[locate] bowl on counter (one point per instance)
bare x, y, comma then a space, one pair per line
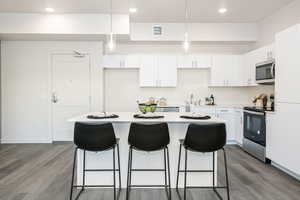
147, 108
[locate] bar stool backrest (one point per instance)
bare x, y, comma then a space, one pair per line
205, 137
149, 137
92, 137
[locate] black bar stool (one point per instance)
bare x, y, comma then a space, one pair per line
149, 137
205, 138
95, 138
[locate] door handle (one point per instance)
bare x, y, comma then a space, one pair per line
54, 97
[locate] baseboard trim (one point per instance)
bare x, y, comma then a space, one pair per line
4, 141
285, 170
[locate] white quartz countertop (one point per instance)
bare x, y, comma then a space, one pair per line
128, 117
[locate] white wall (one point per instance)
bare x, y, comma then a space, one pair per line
26, 86
280, 20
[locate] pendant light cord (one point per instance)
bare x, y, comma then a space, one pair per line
111, 27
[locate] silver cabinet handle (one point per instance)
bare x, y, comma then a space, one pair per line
54, 97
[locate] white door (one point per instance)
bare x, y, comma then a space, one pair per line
167, 71
227, 115
133, 61
203, 61
71, 93
239, 126
148, 71
185, 61
220, 70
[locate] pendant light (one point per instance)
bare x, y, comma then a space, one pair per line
186, 43
111, 42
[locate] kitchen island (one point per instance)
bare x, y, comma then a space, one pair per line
177, 129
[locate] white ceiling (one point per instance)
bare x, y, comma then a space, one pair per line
157, 10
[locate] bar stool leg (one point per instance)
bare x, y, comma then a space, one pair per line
165, 170
129, 173
118, 149
185, 174
178, 169
114, 172
83, 170
73, 173
226, 173
169, 173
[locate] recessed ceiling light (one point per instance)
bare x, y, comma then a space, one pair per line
50, 10
222, 10
132, 10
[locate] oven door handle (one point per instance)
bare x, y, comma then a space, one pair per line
254, 113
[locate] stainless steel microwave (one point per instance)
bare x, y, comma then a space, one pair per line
265, 72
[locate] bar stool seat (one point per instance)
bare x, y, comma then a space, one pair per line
149, 137
95, 138
204, 138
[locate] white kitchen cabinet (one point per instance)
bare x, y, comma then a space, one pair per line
158, 71
166, 71
248, 67
121, 61
270, 137
148, 71
194, 61
227, 71
239, 125
283, 137
228, 115
288, 65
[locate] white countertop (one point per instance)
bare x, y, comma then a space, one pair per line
128, 117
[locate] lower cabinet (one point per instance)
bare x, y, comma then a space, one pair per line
228, 116
233, 118
239, 125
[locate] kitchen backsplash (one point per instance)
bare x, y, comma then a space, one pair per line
122, 89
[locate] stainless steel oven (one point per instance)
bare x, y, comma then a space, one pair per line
265, 72
254, 141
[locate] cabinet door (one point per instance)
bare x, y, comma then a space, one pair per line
228, 116
185, 61
203, 61
288, 65
235, 72
148, 71
283, 141
132, 61
114, 61
248, 65
167, 71
270, 137
219, 70
239, 126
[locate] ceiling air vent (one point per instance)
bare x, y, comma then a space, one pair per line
157, 30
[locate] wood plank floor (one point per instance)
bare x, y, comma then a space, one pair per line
43, 172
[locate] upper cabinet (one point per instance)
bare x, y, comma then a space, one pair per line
158, 71
288, 65
227, 71
121, 61
194, 61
